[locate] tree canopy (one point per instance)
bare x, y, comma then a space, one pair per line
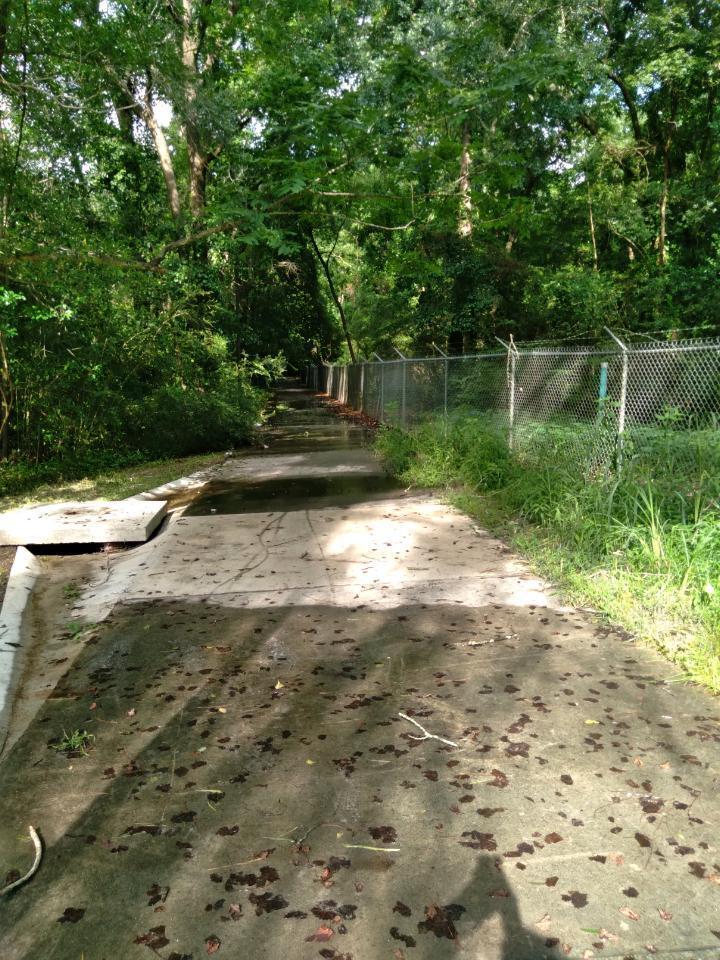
190, 187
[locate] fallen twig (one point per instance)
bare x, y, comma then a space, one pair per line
36, 863
365, 846
427, 736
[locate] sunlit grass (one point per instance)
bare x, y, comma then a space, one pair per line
641, 549
113, 484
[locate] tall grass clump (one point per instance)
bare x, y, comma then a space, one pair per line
640, 545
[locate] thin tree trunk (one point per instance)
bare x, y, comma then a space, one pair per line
6, 400
592, 229
333, 293
144, 110
4, 24
465, 219
662, 229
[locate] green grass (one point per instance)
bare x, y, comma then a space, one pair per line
642, 549
76, 742
112, 484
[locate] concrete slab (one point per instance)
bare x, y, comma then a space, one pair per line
382, 554
94, 521
314, 463
24, 572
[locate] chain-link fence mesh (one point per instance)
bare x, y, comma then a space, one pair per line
652, 404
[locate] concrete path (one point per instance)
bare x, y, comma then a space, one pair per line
252, 790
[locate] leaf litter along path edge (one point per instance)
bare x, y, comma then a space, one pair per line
252, 791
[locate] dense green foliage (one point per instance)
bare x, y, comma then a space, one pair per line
641, 547
188, 185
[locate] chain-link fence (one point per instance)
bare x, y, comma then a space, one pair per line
654, 404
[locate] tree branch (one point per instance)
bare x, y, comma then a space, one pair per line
629, 103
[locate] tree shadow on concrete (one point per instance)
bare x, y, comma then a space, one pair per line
251, 781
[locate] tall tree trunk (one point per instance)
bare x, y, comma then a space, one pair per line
465, 218
163, 151
333, 293
197, 160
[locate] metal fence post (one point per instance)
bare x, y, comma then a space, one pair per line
623, 398
512, 352
381, 411
403, 361
446, 364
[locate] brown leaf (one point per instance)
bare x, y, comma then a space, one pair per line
72, 915
500, 779
212, 945
321, 935
553, 838
155, 938
630, 914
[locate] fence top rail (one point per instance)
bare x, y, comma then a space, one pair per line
706, 344
680, 346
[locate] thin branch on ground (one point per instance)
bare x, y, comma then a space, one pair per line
366, 846
36, 863
427, 735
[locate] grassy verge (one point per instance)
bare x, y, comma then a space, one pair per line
112, 484
643, 549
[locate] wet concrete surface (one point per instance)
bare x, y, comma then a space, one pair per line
289, 494
252, 791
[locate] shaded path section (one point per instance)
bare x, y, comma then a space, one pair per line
252, 792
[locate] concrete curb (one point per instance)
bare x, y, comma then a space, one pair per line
24, 572
191, 482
